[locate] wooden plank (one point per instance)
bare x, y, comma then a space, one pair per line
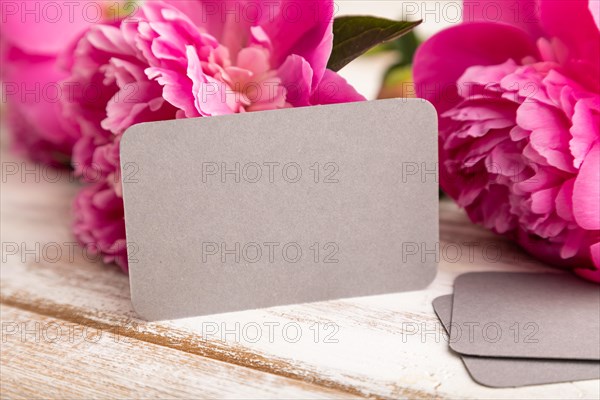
383, 346
44, 357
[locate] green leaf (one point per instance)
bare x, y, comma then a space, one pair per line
355, 35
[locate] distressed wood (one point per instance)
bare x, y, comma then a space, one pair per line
45, 357
387, 346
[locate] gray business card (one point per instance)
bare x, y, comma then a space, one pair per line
516, 372
526, 315
278, 207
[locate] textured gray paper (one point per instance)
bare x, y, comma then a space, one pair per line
279, 207
515, 372
526, 316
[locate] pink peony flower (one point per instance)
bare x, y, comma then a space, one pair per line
31, 95
182, 59
31, 44
99, 226
519, 106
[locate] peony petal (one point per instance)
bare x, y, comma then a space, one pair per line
334, 89
525, 84
586, 192
564, 200
488, 109
592, 275
585, 128
124, 72
255, 59
177, 89
572, 243
595, 250
42, 27
542, 201
594, 7
228, 21
469, 193
505, 160
517, 133
572, 22
523, 14
137, 102
484, 76
442, 59
99, 222
549, 133
37, 127
108, 39
296, 76
213, 97
544, 178
495, 211
303, 28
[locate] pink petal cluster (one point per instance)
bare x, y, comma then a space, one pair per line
519, 106
30, 60
183, 59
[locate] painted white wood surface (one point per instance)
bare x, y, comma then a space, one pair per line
51, 358
389, 346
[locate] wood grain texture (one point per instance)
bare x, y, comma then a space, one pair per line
45, 357
389, 346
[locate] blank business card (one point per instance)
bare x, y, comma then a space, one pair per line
516, 372
526, 315
255, 210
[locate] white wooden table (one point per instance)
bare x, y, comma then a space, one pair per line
69, 331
